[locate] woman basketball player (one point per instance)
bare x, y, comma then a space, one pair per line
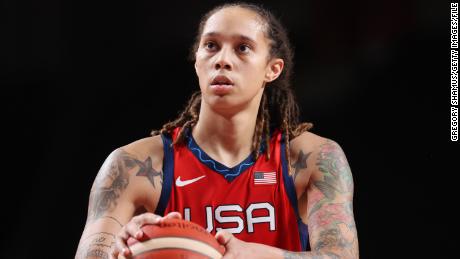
236, 161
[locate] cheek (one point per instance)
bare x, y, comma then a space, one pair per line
201, 62
200, 72
200, 57
255, 71
198, 66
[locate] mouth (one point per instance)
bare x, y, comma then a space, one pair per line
221, 80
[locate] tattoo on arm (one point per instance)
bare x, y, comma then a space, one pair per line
337, 178
291, 255
113, 179
146, 169
330, 208
114, 219
97, 253
98, 245
309, 255
300, 163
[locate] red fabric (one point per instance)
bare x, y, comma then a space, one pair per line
213, 193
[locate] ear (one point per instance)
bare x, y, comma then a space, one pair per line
274, 69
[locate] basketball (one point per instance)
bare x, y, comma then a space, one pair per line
175, 238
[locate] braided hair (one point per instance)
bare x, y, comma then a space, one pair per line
278, 108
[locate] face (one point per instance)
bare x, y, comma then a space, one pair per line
232, 61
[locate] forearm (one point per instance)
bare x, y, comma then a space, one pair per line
96, 246
314, 255
270, 252
264, 251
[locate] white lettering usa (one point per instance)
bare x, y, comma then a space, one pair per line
221, 215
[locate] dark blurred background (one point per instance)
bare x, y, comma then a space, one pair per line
81, 78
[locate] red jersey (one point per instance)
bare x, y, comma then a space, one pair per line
254, 200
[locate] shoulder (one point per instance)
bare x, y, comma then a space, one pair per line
308, 152
310, 142
307, 142
134, 171
128, 180
146, 148
123, 160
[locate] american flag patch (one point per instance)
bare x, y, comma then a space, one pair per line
265, 178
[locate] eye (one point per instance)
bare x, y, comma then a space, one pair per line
210, 45
244, 48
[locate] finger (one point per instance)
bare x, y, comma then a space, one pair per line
146, 218
120, 245
223, 237
173, 215
120, 256
114, 254
135, 230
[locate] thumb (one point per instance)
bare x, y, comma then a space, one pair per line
224, 237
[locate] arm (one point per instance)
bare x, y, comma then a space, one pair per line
325, 175
119, 190
330, 206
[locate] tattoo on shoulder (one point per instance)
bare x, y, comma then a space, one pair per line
112, 180
146, 169
300, 163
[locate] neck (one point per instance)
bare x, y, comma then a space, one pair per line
227, 138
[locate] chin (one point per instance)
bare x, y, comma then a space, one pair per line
227, 105
222, 103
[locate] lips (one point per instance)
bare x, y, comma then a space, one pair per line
221, 80
221, 85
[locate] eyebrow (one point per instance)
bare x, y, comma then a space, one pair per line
239, 36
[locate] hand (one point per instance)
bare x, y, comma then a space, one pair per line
235, 248
133, 229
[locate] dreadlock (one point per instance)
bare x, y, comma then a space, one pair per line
278, 108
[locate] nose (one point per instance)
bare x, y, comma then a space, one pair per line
223, 59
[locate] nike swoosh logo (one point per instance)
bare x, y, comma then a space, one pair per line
181, 183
